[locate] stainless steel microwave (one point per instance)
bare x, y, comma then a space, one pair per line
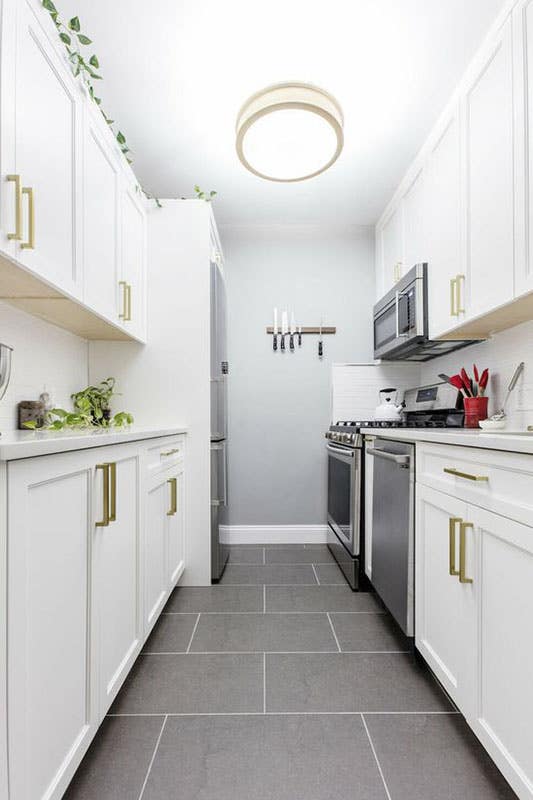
401, 327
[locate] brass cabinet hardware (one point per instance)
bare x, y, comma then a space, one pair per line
105, 496
397, 271
170, 452
113, 492
452, 523
460, 308
462, 552
18, 208
457, 474
124, 314
453, 309
173, 496
30, 244
128, 295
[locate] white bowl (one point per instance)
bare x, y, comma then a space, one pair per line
493, 424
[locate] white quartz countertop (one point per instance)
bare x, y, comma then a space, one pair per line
511, 441
26, 444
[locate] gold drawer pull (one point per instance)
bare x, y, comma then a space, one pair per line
30, 244
173, 496
170, 452
466, 475
462, 552
18, 208
105, 496
452, 523
113, 498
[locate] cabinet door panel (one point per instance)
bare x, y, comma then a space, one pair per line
175, 533
101, 227
118, 551
445, 259
445, 608
392, 249
50, 718
155, 572
133, 259
415, 221
48, 134
523, 47
504, 710
489, 136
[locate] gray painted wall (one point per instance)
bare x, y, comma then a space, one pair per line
279, 404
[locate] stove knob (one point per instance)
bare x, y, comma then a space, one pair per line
347, 437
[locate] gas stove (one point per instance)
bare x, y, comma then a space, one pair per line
436, 406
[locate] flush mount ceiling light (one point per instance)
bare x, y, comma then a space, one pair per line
289, 132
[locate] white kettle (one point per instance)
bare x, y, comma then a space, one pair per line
388, 409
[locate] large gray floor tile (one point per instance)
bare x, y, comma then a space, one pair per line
320, 598
117, 761
435, 757
350, 682
265, 758
171, 633
311, 554
247, 554
271, 574
216, 598
368, 632
329, 574
185, 684
246, 632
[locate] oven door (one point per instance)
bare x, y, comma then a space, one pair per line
344, 491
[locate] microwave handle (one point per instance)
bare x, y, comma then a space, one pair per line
398, 334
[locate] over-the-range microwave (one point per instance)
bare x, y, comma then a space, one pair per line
401, 328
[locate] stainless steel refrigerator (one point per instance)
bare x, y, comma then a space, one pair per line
219, 420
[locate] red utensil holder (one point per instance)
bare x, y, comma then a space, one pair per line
476, 409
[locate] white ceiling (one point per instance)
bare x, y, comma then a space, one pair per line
177, 71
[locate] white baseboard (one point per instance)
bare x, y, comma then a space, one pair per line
273, 534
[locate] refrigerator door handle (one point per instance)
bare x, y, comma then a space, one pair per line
222, 501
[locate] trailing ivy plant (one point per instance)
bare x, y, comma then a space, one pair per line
92, 409
74, 40
204, 195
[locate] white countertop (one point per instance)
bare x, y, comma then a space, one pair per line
511, 441
25, 444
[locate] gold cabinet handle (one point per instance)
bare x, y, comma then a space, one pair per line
170, 452
18, 208
173, 496
30, 244
462, 552
103, 523
397, 271
457, 474
113, 492
460, 309
128, 295
453, 291
452, 523
124, 314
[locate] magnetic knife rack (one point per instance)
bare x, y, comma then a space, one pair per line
325, 331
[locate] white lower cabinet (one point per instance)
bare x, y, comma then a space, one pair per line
473, 627
91, 559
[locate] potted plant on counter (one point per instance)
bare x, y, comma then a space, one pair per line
92, 408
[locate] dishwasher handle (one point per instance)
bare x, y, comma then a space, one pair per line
402, 461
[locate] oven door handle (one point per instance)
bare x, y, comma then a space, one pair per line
398, 334
347, 453
402, 461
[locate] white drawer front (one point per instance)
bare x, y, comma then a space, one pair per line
499, 482
163, 453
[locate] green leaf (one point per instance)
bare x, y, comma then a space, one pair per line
65, 38
110, 121
57, 425
49, 6
97, 100
212, 194
121, 139
59, 412
74, 24
84, 39
30, 423
93, 61
93, 74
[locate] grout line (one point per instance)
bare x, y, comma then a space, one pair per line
193, 632
376, 758
264, 598
264, 555
333, 631
274, 652
315, 574
208, 613
293, 714
264, 684
153, 757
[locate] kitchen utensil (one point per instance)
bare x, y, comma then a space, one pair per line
499, 415
275, 331
300, 336
467, 382
492, 424
5, 367
320, 343
476, 410
388, 409
457, 382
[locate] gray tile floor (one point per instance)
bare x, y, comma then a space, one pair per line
282, 684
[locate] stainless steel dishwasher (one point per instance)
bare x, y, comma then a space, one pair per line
393, 524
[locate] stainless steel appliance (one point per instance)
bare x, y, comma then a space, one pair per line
344, 452
401, 327
393, 521
219, 420
5, 367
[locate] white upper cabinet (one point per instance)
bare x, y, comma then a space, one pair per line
415, 227
132, 300
445, 255
8, 185
489, 141
48, 129
390, 249
101, 231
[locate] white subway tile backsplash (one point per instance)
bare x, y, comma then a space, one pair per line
355, 387
43, 355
